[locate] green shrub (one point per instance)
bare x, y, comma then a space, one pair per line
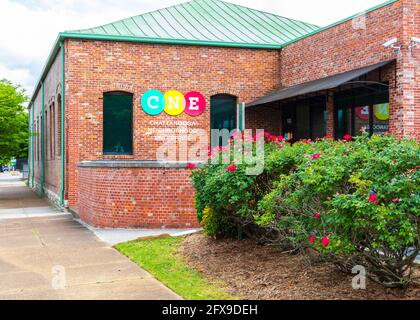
216, 224
233, 197
356, 202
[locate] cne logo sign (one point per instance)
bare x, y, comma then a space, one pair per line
173, 103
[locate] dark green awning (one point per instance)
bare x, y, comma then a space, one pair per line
316, 85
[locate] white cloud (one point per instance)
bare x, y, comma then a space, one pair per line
28, 28
20, 76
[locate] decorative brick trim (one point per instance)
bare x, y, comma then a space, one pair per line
133, 164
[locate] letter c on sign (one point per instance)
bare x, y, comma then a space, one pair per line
153, 102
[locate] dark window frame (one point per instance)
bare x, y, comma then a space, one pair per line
352, 107
235, 111
57, 127
106, 153
312, 103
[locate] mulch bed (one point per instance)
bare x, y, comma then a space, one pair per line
256, 272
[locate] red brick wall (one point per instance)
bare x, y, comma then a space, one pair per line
95, 67
407, 116
349, 46
342, 48
137, 197
52, 156
358, 43
264, 117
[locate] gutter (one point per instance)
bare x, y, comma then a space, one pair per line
90, 36
32, 145
62, 133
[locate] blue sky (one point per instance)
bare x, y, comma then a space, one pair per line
28, 28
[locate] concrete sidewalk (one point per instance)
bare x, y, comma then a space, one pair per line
46, 254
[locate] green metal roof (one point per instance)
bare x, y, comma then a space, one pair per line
201, 22
269, 21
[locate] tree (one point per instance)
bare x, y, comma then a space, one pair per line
14, 130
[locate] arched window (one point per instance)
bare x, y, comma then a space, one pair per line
46, 137
36, 138
118, 123
52, 131
222, 115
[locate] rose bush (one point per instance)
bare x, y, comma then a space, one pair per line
355, 201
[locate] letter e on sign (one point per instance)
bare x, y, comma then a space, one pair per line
195, 103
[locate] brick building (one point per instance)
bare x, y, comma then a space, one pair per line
94, 145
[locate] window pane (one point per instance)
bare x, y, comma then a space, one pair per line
343, 122
361, 119
302, 122
380, 118
118, 123
222, 115
318, 121
381, 112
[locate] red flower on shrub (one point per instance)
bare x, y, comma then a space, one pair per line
316, 156
232, 168
280, 138
317, 215
395, 200
373, 198
237, 134
191, 166
325, 241
312, 239
347, 137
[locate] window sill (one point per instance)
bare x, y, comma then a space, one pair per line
118, 157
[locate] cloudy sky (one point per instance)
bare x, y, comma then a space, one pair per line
28, 28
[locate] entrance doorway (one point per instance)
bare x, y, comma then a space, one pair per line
305, 119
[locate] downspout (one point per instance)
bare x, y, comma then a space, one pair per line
62, 189
32, 145
43, 139
29, 147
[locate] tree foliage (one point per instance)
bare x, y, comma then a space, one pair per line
13, 122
